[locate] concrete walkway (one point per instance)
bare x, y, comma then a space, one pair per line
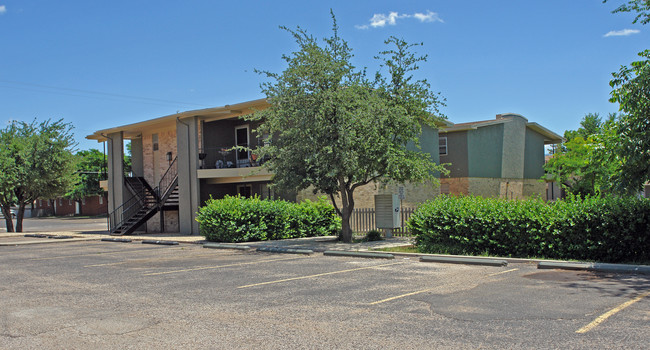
317, 244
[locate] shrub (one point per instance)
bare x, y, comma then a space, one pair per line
373, 235
609, 229
237, 219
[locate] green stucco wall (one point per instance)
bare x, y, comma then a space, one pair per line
456, 153
485, 151
534, 155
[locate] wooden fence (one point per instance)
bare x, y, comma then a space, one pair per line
363, 220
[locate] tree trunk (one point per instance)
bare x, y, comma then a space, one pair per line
346, 229
19, 217
6, 212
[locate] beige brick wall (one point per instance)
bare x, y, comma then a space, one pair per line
495, 187
154, 169
364, 196
457, 185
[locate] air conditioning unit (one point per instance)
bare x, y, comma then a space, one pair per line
387, 210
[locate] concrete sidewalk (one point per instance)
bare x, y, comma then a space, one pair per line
317, 244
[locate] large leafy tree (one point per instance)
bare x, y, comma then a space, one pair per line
630, 142
36, 161
334, 129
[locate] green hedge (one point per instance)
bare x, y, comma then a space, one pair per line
610, 229
237, 219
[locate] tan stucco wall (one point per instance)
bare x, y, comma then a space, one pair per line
364, 196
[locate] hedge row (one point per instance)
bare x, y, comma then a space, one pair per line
610, 229
237, 219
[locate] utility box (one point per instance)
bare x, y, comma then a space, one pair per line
387, 211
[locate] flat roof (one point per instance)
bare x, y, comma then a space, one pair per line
207, 114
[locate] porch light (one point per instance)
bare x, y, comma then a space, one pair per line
169, 157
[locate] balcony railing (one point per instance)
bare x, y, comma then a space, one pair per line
225, 158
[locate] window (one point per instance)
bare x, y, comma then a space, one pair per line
442, 146
154, 140
101, 199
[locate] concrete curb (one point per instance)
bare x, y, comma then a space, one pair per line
121, 240
226, 246
597, 267
358, 254
285, 250
44, 241
466, 261
150, 241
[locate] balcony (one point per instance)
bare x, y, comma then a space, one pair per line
224, 165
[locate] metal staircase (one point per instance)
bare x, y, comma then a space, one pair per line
145, 202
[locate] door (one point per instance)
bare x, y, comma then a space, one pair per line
241, 140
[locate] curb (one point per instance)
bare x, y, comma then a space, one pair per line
150, 241
597, 267
225, 246
121, 240
285, 250
358, 254
45, 241
466, 261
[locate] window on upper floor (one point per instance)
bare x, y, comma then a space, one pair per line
442, 146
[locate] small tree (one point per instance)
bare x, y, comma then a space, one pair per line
36, 161
581, 164
335, 130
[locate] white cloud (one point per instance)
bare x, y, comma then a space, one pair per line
624, 32
428, 17
3, 9
379, 20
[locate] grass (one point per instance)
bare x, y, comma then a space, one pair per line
400, 249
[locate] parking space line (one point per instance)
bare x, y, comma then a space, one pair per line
98, 253
316, 275
427, 290
498, 273
400, 296
150, 260
609, 313
220, 266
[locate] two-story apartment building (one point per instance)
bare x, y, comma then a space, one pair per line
179, 161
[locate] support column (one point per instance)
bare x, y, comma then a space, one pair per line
115, 160
187, 147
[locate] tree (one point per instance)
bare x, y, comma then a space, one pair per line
641, 7
91, 165
631, 90
581, 164
334, 130
36, 161
631, 142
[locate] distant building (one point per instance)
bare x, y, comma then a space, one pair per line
89, 206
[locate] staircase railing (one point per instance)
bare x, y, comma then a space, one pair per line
118, 217
167, 182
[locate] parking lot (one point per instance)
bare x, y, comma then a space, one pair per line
96, 294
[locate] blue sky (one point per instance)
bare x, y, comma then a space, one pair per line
102, 64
